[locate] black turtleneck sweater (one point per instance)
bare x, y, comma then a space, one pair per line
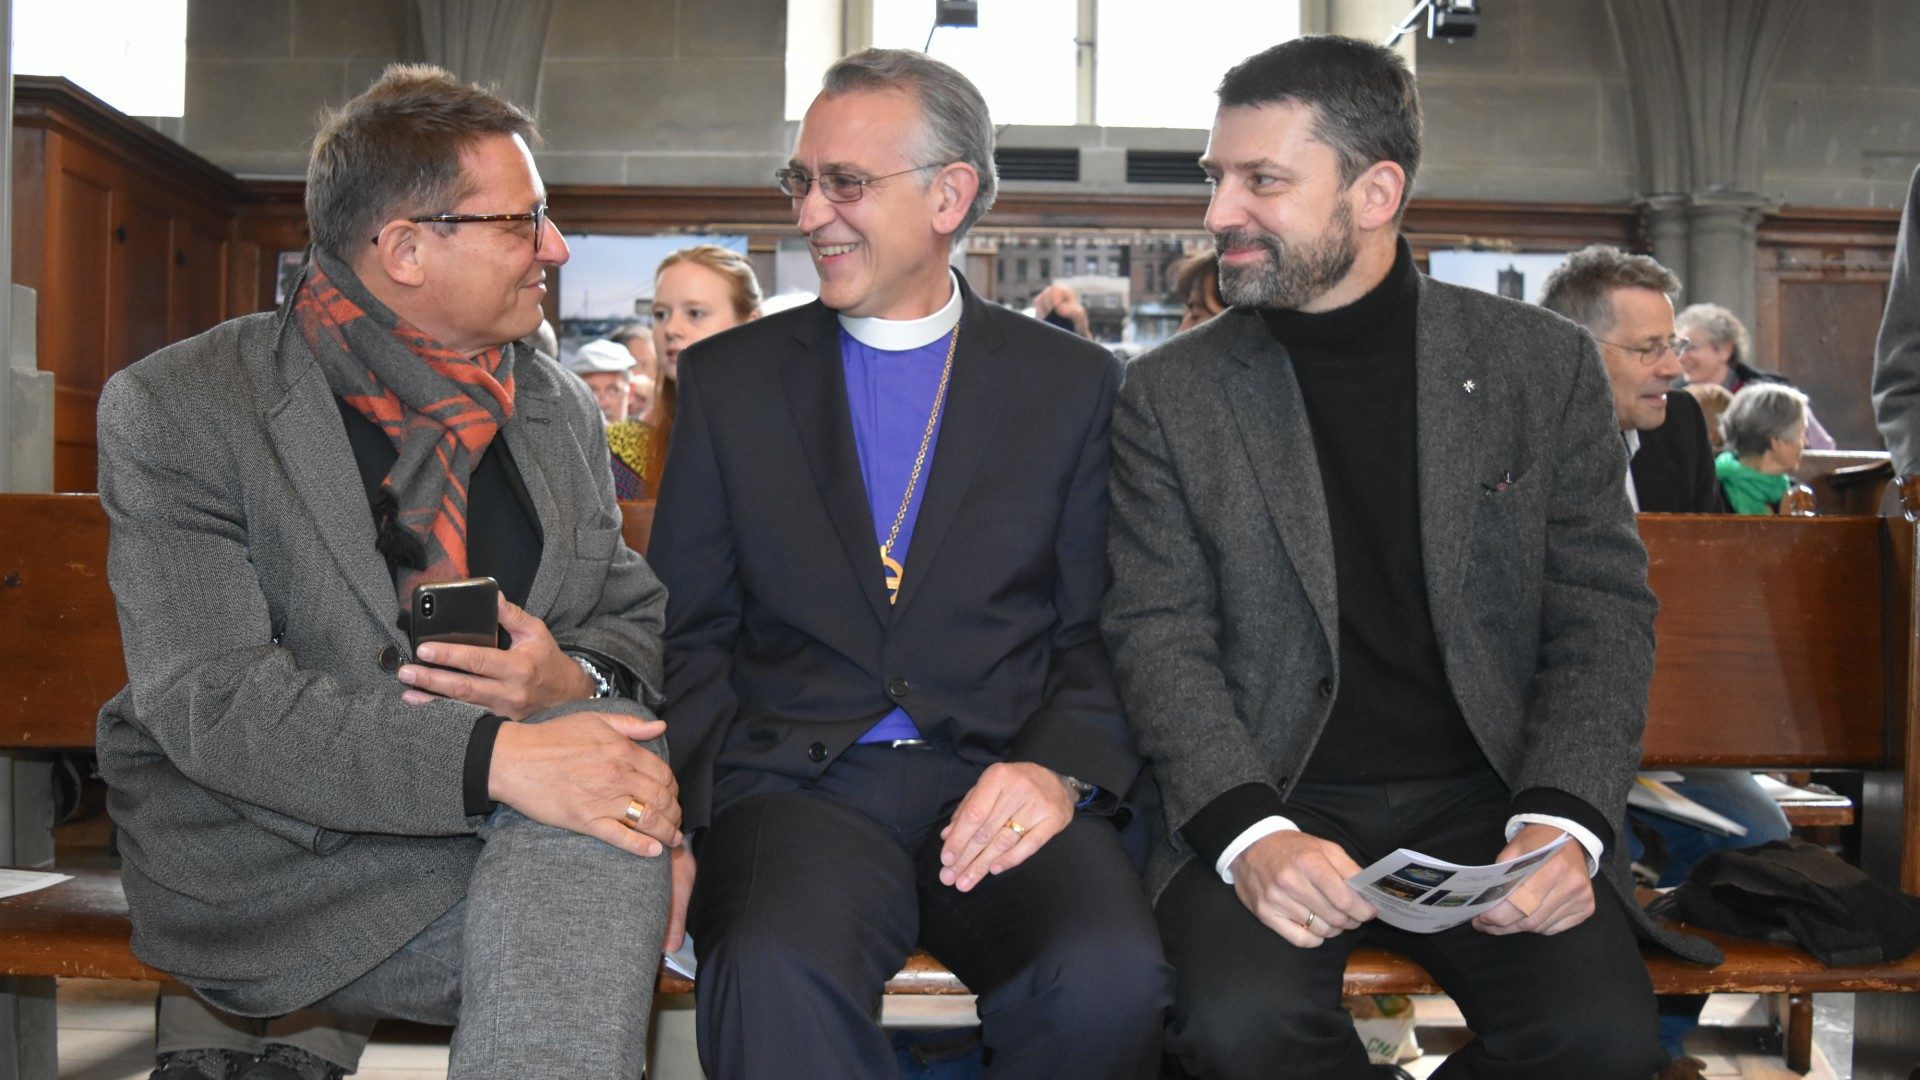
1394, 715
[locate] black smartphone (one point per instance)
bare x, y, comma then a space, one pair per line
464, 612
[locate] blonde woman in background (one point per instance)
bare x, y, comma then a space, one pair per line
697, 292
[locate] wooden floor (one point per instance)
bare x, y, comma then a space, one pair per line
106, 1033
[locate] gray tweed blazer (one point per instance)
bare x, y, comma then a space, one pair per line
286, 821
1222, 616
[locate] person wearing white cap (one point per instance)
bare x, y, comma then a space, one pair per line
607, 367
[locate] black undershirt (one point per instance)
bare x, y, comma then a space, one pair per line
503, 543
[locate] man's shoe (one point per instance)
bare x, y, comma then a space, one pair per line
283, 1062
207, 1064
1684, 1068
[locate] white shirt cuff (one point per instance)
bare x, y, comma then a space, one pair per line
1566, 825
1256, 832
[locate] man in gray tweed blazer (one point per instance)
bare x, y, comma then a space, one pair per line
307, 815
1376, 584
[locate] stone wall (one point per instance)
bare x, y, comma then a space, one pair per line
1843, 119
631, 91
1534, 108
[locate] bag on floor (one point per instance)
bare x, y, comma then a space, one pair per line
1800, 893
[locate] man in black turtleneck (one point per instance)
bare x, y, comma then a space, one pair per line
1376, 585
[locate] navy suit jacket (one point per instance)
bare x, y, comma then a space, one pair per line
781, 646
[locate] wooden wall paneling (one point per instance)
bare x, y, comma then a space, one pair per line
272, 218
144, 239
196, 275
125, 234
77, 334
1821, 289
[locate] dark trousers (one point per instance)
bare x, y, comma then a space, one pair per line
1574, 1006
809, 897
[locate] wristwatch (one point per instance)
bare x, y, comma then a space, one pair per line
1082, 791
602, 686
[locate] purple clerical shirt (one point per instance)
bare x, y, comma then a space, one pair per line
890, 394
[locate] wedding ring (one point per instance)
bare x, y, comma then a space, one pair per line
1307, 923
1018, 829
635, 811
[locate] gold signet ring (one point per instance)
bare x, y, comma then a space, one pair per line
635, 811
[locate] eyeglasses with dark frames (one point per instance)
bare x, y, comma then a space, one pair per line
537, 215
1648, 355
836, 186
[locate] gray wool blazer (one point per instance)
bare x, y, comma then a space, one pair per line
1222, 616
1896, 353
286, 821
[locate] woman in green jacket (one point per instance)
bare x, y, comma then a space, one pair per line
1765, 429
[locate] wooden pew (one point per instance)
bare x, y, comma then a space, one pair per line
1783, 642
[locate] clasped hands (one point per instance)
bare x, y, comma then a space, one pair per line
1296, 884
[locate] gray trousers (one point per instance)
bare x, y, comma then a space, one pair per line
546, 969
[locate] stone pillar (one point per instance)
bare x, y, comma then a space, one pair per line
1721, 246
1665, 219
495, 43
1698, 72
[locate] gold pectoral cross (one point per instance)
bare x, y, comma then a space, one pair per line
894, 572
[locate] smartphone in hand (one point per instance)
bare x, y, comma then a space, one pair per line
463, 612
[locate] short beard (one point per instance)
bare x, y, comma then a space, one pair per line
1293, 276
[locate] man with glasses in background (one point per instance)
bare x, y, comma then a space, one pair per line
1625, 302
883, 535
309, 816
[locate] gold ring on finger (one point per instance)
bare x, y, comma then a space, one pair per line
1017, 829
1307, 923
634, 812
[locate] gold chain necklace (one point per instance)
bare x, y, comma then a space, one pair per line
894, 571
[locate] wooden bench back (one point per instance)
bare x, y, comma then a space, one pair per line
1781, 641
60, 657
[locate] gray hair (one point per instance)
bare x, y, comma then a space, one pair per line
1582, 287
1720, 326
1760, 413
955, 125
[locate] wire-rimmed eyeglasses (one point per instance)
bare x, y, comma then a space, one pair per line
836, 186
1648, 355
538, 215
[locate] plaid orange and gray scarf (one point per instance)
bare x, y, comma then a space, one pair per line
439, 408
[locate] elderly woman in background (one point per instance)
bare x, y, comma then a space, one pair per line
1716, 355
1765, 429
607, 369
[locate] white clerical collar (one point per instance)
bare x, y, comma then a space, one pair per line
896, 335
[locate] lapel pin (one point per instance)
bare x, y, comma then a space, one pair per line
1467, 386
